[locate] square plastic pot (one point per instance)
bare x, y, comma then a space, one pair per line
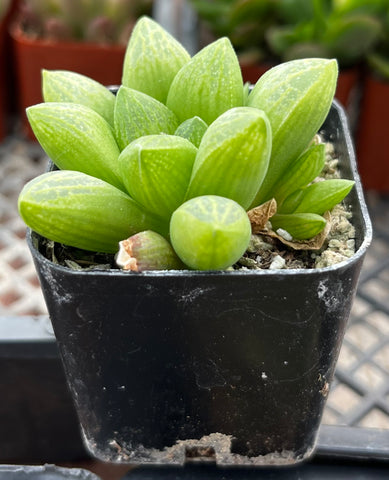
230, 366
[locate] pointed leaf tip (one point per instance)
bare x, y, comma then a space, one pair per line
77, 138
296, 96
65, 86
233, 156
156, 170
208, 85
137, 114
152, 59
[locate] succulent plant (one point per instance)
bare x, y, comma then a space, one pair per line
186, 167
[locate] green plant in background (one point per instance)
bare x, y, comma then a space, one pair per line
378, 60
4, 8
343, 29
282, 30
97, 21
187, 168
244, 22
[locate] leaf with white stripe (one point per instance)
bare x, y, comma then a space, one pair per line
64, 86
138, 114
75, 137
156, 170
82, 211
153, 58
233, 156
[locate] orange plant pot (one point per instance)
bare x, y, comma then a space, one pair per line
373, 135
348, 83
100, 62
252, 72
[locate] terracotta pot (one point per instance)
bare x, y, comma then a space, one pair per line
100, 62
373, 135
252, 72
348, 82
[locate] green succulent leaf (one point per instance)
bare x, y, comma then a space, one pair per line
156, 170
246, 93
70, 87
138, 114
301, 172
152, 59
291, 202
210, 232
208, 85
192, 129
322, 196
75, 137
233, 156
296, 96
82, 211
301, 226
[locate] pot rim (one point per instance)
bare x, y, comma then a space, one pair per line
358, 255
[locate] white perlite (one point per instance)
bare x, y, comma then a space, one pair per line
277, 263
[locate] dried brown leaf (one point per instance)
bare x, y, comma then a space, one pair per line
259, 216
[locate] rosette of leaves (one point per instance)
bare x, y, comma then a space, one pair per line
182, 152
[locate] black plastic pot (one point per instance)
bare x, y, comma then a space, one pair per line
44, 472
230, 366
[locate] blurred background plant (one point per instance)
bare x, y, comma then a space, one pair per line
4, 8
94, 21
344, 29
281, 30
378, 60
244, 22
